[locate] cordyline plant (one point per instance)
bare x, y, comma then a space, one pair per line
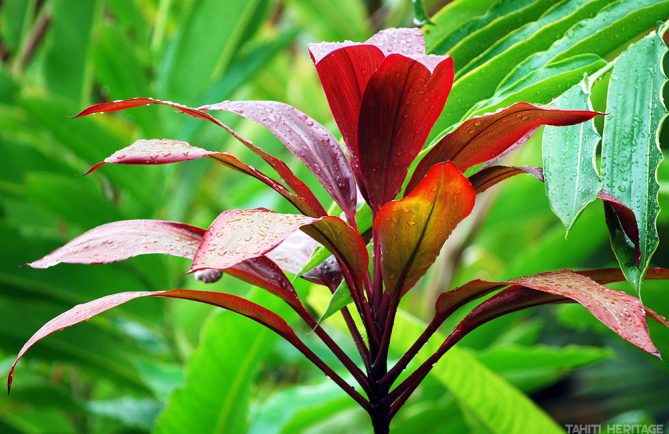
385, 95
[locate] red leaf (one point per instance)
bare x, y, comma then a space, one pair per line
483, 138
299, 187
310, 141
412, 231
238, 235
83, 312
121, 240
402, 101
490, 176
345, 70
166, 151
619, 311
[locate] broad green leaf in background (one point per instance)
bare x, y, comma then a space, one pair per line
495, 404
346, 19
215, 397
536, 35
630, 147
67, 70
455, 22
570, 174
204, 47
602, 34
518, 12
542, 85
531, 368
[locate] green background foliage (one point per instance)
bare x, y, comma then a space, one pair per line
171, 366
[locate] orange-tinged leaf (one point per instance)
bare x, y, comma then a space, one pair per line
411, 231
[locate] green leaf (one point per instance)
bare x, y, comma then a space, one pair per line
538, 35
204, 46
570, 174
340, 299
219, 376
531, 368
517, 13
493, 402
630, 147
544, 84
451, 18
420, 17
66, 68
451, 27
601, 35
346, 19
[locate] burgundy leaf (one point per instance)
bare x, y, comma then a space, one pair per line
310, 141
166, 151
490, 176
402, 101
345, 70
610, 275
122, 240
619, 311
299, 187
485, 137
238, 235
124, 104
83, 312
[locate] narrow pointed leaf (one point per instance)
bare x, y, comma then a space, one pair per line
483, 138
630, 146
86, 311
572, 181
299, 187
238, 235
339, 300
122, 240
490, 176
126, 239
619, 311
411, 231
310, 141
167, 151
401, 102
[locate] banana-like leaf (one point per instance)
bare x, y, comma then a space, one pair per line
86, 311
219, 375
631, 151
572, 181
412, 231
308, 140
602, 34
496, 404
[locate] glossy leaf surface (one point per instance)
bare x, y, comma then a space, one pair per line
619, 311
411, 231
167, 151
400, 104
630, 146
483, 138
308, 140
572, 181
121, 240
88, 310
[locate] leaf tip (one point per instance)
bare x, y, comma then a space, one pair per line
94, 168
